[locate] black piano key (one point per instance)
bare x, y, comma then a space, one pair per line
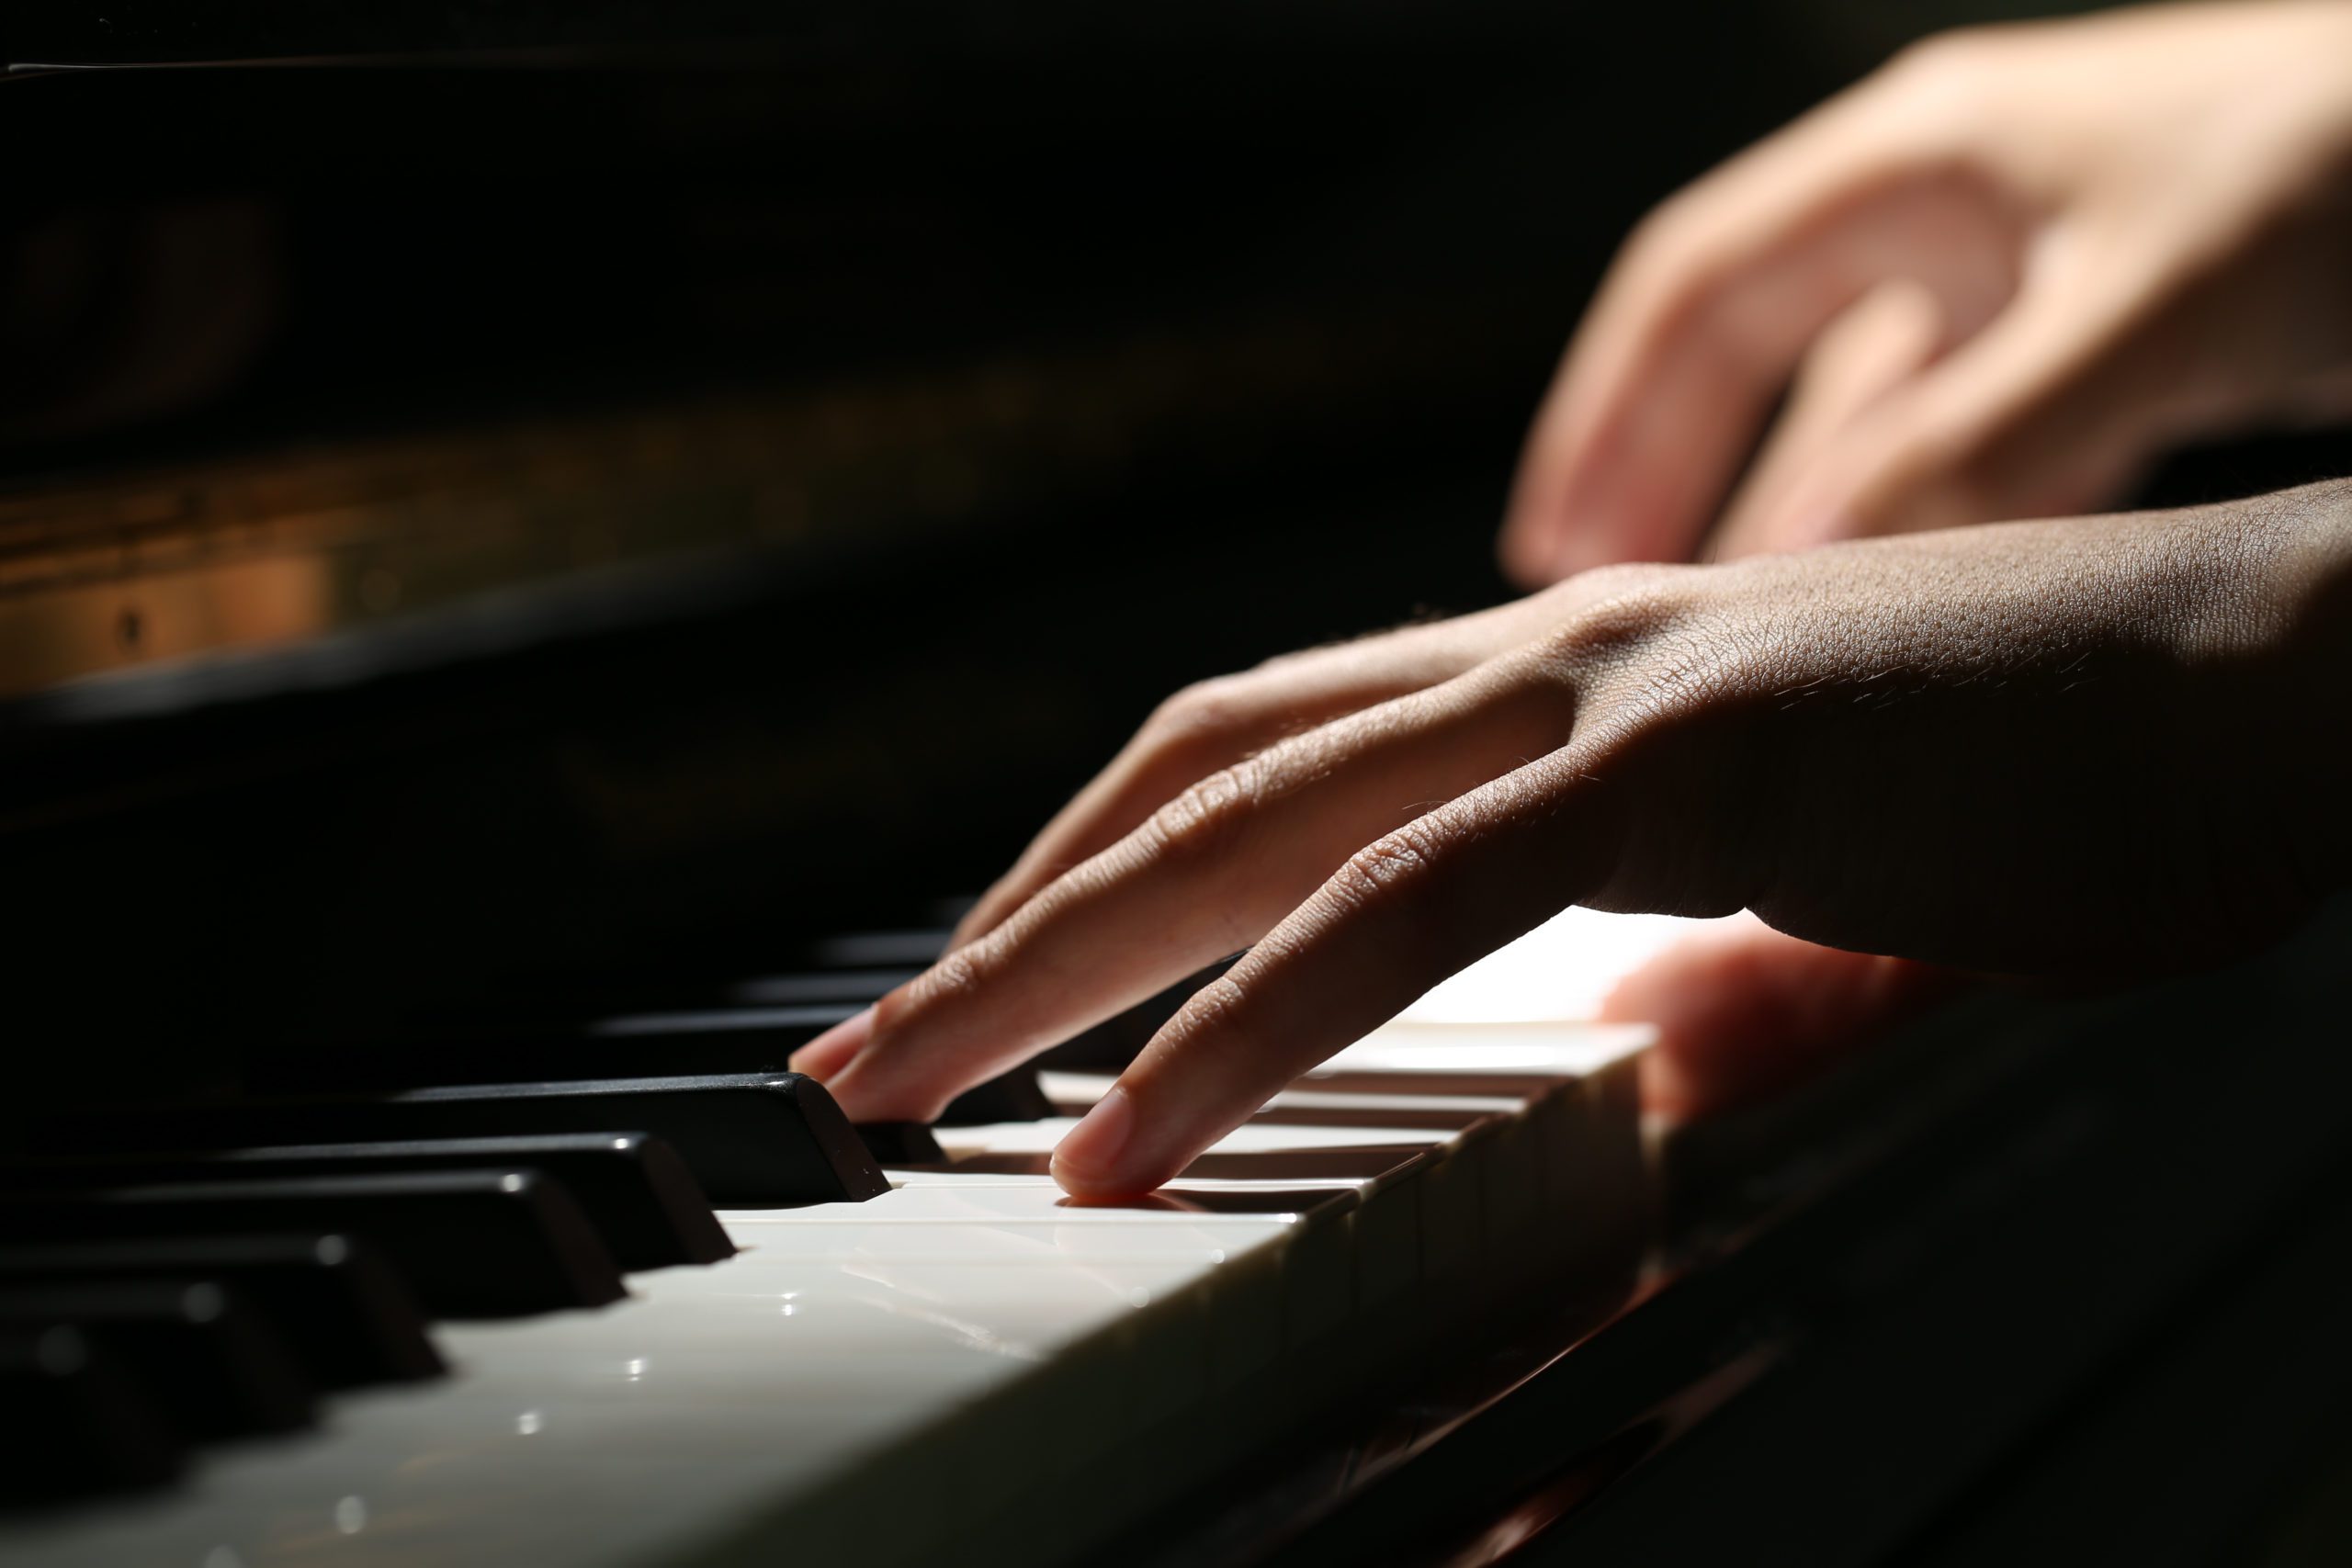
797, 1023
753, 1140
214, 1365
1017, 1096
946, 911
1014, 1097
751, 1039
335, 1300
617, 1048
609, 1052
900, 1143
76, 1420
472, 1242
636, 1191
914, 947
858, 986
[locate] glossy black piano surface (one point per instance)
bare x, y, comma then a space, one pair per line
524, 527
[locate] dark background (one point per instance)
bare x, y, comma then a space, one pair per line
1252, 302
807, 440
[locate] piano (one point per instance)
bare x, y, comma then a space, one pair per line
538, 554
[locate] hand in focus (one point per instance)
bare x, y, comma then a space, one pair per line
2003, 272
2070, 746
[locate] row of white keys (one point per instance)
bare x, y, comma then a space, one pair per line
964, 1363
1454, 1200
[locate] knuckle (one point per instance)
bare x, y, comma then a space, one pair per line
957, 976
1199, 725
1672, 260
1389, 870
1212, 1010
1946, 73
1956, 52
1661, 656
1675, 228
1614, 581
1618, 609
1204, 707
1657, 235
1205, 819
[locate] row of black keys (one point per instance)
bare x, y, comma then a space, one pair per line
289, 1243
149, 1301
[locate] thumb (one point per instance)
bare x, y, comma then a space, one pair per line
1744, 1011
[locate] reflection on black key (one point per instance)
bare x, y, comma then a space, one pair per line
472, 1242
636, 1191
859, 986
804, 1020
79, 1423
629, 1047
334, 1301
916, 948
213, 1364
753, 1140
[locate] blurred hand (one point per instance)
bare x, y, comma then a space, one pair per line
2070, 746
2004, 272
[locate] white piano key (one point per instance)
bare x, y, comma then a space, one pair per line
1004, 1242
1560, 972
1035, 1373
1561, 1050
1037, 1201
1041, 1136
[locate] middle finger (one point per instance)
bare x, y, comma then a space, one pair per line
1210, 872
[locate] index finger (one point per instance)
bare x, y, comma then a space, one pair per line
1395, 920
1207, 875
1220, 722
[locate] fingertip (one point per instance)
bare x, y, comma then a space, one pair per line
1089, 1162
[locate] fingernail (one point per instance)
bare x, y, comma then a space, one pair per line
836, 1048
1089, 1155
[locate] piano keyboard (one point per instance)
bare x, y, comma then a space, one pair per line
965, 1363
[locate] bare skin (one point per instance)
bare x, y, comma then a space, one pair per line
2077, 746
1997, 278
2005, 271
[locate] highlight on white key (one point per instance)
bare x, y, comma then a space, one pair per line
1558, 973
